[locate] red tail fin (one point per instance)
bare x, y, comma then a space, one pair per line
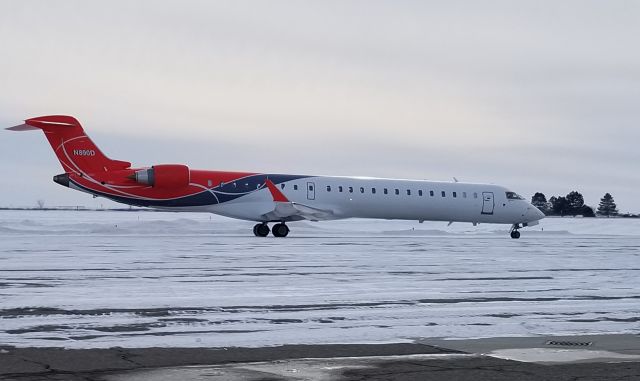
75, 150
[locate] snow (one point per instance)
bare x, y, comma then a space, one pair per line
137, 279
549, 355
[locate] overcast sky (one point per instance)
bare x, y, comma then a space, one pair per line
533, 95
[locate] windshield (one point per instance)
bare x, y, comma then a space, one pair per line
514, 196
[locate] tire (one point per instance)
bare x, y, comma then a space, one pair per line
515, 234
261, 230
280, 230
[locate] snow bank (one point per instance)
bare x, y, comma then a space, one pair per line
162, 223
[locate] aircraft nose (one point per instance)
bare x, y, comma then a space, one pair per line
534, 213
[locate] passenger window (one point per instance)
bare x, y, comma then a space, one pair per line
386, 191
361, 190
221, 183
209, 183
310, 187
464, 194
475, 195
328, 188
408, 192
235, 185
432, 193
397, 191
295, 187
444, 194
340, 189
373, 190
246, 185
350, 189
420, 192
455, 194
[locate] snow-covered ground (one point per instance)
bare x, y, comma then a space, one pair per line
136, 279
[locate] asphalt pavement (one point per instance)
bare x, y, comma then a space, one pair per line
584, 358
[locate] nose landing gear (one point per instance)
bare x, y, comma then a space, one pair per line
515, 234
278, 230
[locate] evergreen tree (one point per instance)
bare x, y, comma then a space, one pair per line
559, 205
607, 206
587, 211
575, 203
539, 200
552, 201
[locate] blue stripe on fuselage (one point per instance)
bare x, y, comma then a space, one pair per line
223, 193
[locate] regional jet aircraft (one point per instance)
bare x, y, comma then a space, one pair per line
274, 198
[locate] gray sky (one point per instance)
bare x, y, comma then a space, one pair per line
534, 95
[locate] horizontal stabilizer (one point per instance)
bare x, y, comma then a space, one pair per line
22, 127
46, 122
53, 121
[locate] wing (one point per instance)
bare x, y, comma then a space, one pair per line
292, 211
285, 210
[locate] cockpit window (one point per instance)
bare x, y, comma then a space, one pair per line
514, 196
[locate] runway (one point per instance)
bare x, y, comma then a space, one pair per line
147, 282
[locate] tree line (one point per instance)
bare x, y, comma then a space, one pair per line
573, 205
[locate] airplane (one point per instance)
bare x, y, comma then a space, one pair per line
274, 198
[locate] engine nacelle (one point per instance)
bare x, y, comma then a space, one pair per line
164, 176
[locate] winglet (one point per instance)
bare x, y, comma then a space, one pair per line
275, 192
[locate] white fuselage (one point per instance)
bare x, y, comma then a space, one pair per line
356, 197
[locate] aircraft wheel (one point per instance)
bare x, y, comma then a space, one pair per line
261, 230
515, 234
280, 230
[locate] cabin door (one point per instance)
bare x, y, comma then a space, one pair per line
487, 203
311, 191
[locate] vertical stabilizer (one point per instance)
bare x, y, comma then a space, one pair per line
74, 149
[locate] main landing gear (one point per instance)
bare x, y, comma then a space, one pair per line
278, 230
515, 234
261, 230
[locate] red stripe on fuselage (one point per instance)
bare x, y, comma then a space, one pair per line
116, 183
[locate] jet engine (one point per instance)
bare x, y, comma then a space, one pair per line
164, 176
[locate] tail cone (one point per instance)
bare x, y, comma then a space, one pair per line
62, 179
